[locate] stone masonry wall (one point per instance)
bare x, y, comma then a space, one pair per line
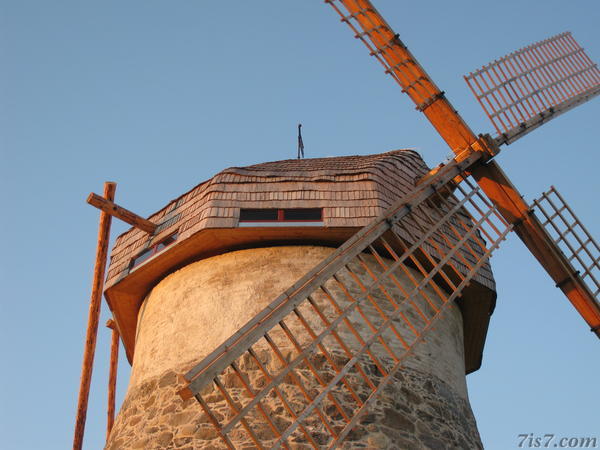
194, 310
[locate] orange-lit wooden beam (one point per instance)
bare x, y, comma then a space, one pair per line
515, 210
121, 213
406, 70
112, 376
93, 317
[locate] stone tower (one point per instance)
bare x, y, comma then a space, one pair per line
224, 250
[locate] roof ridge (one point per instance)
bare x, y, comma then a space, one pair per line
329, 159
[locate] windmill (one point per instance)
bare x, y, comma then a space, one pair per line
519, 93
468, 197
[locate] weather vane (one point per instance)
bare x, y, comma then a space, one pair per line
300, 143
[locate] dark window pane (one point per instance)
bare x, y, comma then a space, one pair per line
302, 214
256, 215
166, 242
142, 256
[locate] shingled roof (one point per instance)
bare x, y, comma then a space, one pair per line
351, 190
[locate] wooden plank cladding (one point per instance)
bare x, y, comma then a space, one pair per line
350, 191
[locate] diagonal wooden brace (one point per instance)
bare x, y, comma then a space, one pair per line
121, 213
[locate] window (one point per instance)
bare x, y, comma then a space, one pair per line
296, 215
281, 217
153, 250
258, 215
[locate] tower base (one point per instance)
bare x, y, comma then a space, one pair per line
192, 311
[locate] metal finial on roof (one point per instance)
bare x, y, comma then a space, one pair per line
300, 143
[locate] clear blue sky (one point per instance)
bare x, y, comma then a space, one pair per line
160, 95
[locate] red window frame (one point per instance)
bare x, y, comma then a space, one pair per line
281, 215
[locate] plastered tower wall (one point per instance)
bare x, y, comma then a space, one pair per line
192, 311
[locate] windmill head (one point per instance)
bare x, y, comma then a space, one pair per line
310, 367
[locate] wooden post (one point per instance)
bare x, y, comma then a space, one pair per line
112, 376
93, 317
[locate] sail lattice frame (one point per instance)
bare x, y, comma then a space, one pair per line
526, 88
572, 238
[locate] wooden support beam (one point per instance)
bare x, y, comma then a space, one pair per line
121, 213
515, 210
93, 317
112, 376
